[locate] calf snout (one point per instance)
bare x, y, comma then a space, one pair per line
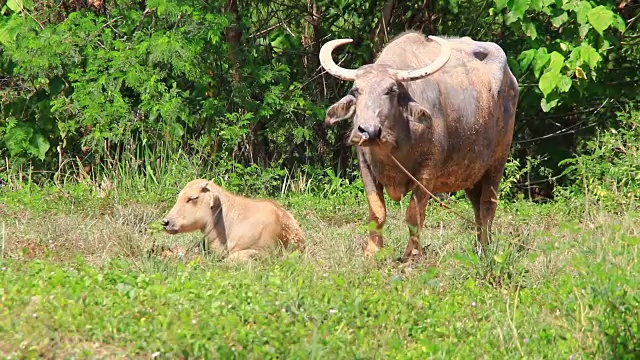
370, 131
169, 225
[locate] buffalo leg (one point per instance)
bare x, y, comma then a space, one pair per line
415, 220
377, 208
377, 215
484, 198
475, 194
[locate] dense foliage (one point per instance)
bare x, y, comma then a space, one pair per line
236, 85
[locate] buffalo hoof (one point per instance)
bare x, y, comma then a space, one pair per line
415, 254
371, 249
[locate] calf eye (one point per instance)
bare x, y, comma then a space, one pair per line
191, 198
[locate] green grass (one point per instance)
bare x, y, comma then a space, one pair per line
77, 280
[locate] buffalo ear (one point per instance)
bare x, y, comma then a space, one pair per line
412, 110
417, 113
341, 110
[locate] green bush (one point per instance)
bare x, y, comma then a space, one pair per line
607, 168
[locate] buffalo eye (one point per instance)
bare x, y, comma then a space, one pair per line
191, 198
391, 90
354, 92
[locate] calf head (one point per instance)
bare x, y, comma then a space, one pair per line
378, 101
194, 208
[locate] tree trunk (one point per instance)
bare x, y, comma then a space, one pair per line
257, 144
379, 36
233, 34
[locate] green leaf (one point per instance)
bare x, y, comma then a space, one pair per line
581, 9
618, 23
525, 58
500, 4
5, 37
520, 7
540, 61
557, 61
15, 5
39, 145
604, 45
532, 256
530, 30
453, 6
17, 138
510, 18
546, 10
583, 29
548, 82
548, 105
536, 5
560, 19
56, 85
589, 55
564, 83
600, 18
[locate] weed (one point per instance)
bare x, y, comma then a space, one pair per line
78, 280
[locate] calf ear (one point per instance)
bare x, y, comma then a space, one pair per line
341, 110
414, 111
205, 186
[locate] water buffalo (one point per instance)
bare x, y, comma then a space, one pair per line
445, 109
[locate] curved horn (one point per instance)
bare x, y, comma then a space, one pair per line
326, 60
417, 74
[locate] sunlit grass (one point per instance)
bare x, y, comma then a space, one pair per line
78, 280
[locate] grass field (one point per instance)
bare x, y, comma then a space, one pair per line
77, 280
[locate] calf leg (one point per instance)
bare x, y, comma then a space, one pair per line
415, 220
243, 255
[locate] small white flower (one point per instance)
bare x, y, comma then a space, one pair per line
473, 304
4, 268
193, 321
34, 315
155, 354
324, 275
332, 311
284, 310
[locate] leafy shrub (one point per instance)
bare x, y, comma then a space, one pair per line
607, 169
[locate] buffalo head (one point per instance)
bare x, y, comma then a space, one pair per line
378, 101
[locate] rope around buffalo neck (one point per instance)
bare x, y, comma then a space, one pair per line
429, 192
447, 206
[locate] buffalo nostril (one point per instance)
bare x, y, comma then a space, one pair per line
370, 131
376, 132
165, 222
